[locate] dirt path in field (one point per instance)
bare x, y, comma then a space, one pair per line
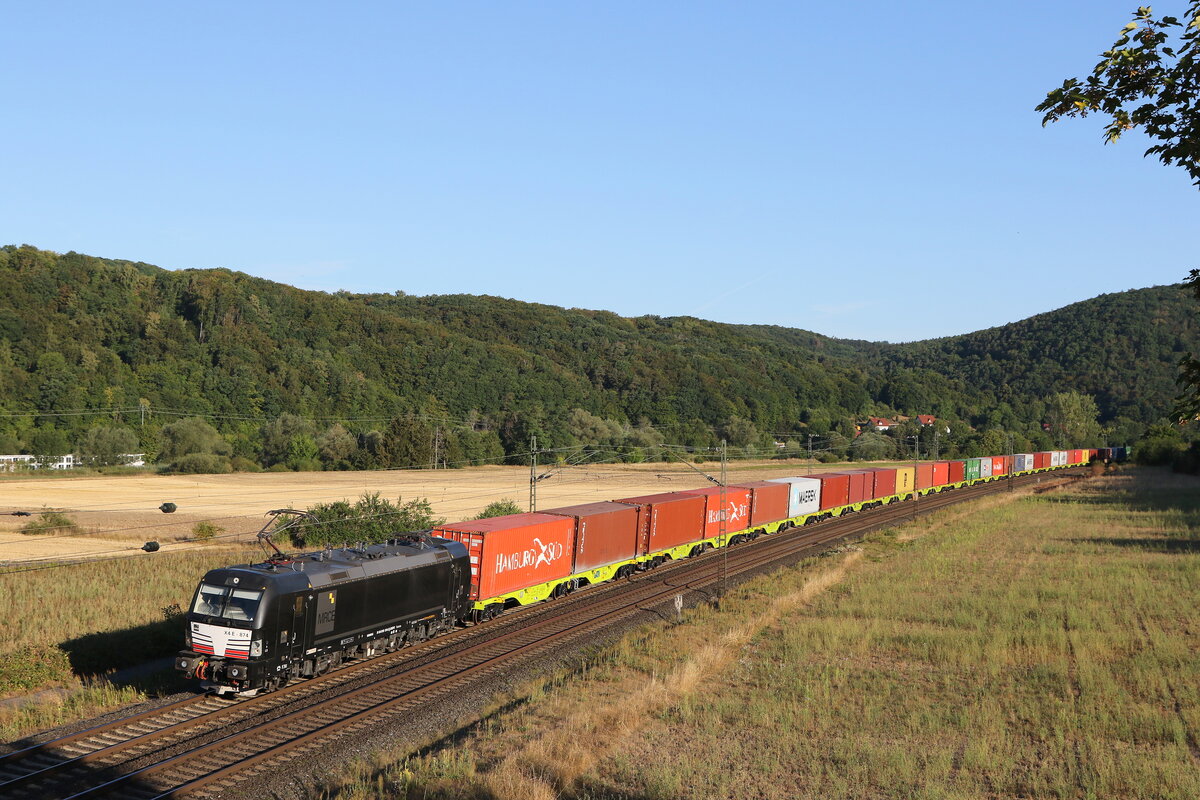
118, 513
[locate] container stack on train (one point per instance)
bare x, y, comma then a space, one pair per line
519, 559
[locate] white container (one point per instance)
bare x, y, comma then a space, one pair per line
804, 495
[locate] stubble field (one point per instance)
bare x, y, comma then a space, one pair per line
1025, 646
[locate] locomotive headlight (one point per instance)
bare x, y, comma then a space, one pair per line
256, 647
235, 672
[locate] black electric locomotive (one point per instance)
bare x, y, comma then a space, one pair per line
252, 627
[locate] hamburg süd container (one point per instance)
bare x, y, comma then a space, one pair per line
514, 552
956, 472
605, 533
768, 501
732, 517
804, 495
669, 519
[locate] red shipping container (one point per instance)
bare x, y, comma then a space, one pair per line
514, 552
768, 501
1041, 460
858, 486
941, 473
668, 519
884, 481
999, 465
605, 533
736, 513
925, 479
956, 472
835, 489
1092, 453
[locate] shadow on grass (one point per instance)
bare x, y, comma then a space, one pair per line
1164, 545
100, 653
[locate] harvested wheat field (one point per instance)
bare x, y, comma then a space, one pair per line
116, 514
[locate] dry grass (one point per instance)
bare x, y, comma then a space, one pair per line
1035, 646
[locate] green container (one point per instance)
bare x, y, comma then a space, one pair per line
971, 470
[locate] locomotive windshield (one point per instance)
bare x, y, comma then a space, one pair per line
221, 601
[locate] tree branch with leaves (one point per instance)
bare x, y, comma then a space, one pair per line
1149, 80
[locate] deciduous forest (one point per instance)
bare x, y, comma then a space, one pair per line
211, 370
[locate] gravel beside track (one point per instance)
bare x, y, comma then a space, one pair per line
281, 743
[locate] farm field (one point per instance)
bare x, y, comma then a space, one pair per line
61, 624
1027, 646
117, 514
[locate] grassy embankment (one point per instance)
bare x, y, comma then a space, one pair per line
58, 626
1036, 646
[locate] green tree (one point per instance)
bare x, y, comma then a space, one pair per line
278, 435
104, 445
500, 508
48, 444
192, 445
336, 447
371, 519
1187, 404
1149, 79
1073, 419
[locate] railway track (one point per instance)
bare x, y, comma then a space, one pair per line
207, 746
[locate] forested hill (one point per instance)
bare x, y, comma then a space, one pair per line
79, 332
1121, 348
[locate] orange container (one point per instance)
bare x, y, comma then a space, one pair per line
514, 552
668, 519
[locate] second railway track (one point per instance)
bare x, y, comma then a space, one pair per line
206, 746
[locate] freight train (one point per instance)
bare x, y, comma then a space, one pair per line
254, 627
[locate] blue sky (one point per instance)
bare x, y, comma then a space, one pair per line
872, 171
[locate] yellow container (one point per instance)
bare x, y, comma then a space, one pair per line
905, 479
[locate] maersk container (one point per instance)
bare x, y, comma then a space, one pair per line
941, 473
925, 476
804, 495
768, 501
956, 472
972, 471
906, 479
999, 466
668, 520
605, 533
514, 552
835, 489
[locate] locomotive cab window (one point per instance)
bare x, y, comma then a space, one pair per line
232, 604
